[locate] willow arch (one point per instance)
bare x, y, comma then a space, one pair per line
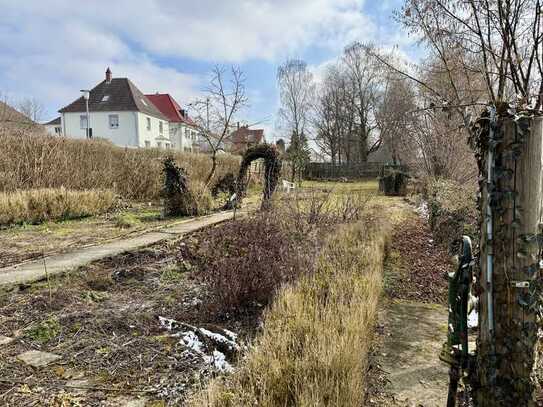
272, 171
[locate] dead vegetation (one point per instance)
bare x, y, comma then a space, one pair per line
149, 324
32, 161
40, 205
104, 323
416, 266
316, 334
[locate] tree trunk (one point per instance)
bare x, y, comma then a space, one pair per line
213, 168
508, 334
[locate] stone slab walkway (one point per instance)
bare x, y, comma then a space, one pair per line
410, 354
36, 270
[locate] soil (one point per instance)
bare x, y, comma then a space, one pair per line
405, 369
104, 323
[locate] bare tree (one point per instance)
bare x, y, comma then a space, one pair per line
329, 114
225, 97
32, 108
364, 76
297, 93
394, 115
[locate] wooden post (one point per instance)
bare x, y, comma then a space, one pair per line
510, 264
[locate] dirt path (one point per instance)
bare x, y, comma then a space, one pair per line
414, 333
412, 324
36, 270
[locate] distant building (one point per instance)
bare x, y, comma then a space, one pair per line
243, 138
54, 127
183, 131
119, 112
204, 142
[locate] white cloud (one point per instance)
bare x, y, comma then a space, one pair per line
206, 29
51, 49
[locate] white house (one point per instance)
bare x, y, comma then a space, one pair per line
54, 127
119, 112
183, 131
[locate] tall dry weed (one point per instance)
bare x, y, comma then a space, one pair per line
39, 205
30, 161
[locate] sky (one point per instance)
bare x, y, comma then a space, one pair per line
50, 49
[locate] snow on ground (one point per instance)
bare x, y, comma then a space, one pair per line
201, 342
422, 210
473, 319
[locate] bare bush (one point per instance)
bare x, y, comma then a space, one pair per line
247, 260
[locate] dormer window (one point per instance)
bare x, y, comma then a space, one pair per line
105, 98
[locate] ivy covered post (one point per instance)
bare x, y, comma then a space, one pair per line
272, 171
510, 157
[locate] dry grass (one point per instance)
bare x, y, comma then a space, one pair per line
316, 337
31, 161
39, 205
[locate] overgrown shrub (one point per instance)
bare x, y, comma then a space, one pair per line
181, 197
225, 184
452, 211
40, 205
31, 161
247, 260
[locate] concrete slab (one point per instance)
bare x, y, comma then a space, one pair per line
35, 270
37, 358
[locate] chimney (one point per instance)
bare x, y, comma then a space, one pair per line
108, 75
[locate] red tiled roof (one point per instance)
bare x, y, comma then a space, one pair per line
169, 108
245, 135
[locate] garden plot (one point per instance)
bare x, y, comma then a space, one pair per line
136, 325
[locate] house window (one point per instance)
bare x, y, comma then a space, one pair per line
83, 121
105, 98
159, 144
160, 127
113, 121
167, 146
147, 143
58, 130
148, 123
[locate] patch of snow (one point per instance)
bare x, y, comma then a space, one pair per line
191, 341
473, 319
231, 334
166, 323
219, 338
422, 210
218, 361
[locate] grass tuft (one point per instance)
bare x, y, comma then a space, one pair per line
44, 331
126, 220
